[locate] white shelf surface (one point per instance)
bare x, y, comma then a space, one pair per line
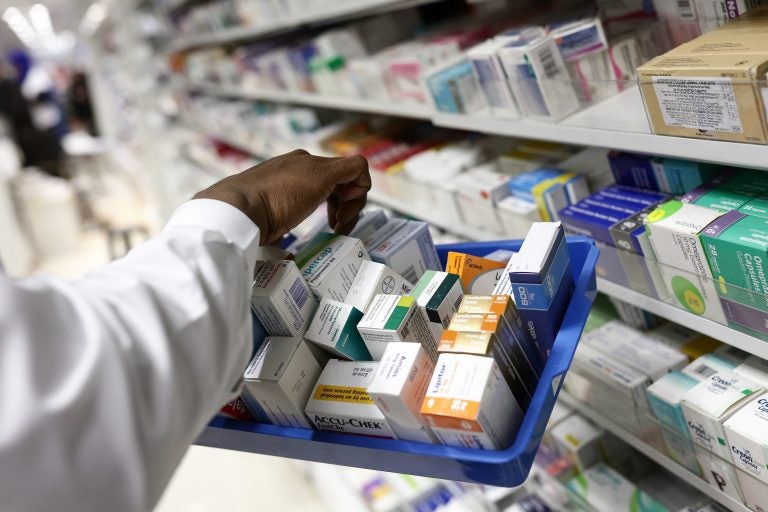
720, 332
653, 454
340, 11
412, 110
619, 123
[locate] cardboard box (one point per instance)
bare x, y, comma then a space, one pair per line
709, 88
398, 388
368, 224
406, 247
539, 78
334, 328
747, 434
454, 87
665, 396
674, 232
479, 276
392, 318
340, 400
680, 449
372, 279
687, 341
542, 283
603, 488
280, 379
719, 474
755, 369
756, 207
592, 221
329, 263
438, 296
680, 176
754, 491
281, 299
634, 348
634, 170
710, 403
716, 197
715, 13
516, 216
579, 440
478, 191
469, 405
705, 366
577, 39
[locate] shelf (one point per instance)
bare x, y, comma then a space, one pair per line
411, 110
653, 454
340, 11
617, 123
720, 332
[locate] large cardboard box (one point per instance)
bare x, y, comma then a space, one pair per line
712, 87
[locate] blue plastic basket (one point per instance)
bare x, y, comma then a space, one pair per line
505, 468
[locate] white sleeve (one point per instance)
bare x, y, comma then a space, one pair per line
106, 381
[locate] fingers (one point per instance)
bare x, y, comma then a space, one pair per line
351, 170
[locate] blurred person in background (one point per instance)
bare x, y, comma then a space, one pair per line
38, 130
105, 382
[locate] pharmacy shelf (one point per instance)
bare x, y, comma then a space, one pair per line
619, 123
464, 231
653, 454
720, 332
411, 110
338, 12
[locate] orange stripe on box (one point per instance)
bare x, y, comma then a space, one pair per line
450, 408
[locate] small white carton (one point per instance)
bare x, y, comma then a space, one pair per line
604, 488
710, 403
392, 318
754, 491
478, 191
398, 388
280, 378
680, 449
281, 299
406, 247
373, 278
517, 215
578, 440
747, 434
438, 296
334, 328
754, 368
674, 232
719, 474
368, 224
493, 82
634, 348
340, 400
468, 404
707, 365
329, 263
665, 396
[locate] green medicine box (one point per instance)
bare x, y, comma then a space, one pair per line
757, 207
737, 250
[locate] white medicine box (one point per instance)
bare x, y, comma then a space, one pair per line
281, 298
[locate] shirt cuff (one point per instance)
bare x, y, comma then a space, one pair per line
214, 215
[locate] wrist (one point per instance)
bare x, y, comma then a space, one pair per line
254, 210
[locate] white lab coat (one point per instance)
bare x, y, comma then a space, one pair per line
105, 382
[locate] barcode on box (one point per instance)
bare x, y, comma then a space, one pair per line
299, 292
548, 64
705, 371
685, 10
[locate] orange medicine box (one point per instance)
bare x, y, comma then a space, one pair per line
468, 403
478, 275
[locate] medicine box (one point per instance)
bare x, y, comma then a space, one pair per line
406, 247
468, 404
674, 232
280, 378
756, 207
478, 191
399, 387
516, 216
438, 296
705, 366
334, 328
340, 400
454, 87
636, 255
747, 435
281, 298
329, 263
392, 318
542, 282
374, 278
579, 38
487, 334
498, 95
755, 369
718, 198
629, 195
578, 440
633, 170
368, 224
665, 396
719, 474
634, 348
560, 412
710, 403
592, 221
539, 78
687, 341
680, 449
755, 492
603, 488
479, 276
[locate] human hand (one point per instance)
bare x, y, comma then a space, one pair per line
281, 192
